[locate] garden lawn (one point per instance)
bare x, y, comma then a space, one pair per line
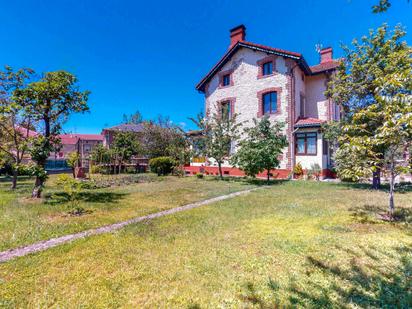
302, 244
24, 221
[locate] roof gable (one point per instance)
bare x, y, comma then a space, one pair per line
269, 50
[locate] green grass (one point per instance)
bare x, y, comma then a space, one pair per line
24, 221
299, 244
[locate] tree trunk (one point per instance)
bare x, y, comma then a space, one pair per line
376, 179
38, 186
268, 175
74, 172
220, 169
14, 179
391, 192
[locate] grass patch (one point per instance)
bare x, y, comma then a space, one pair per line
24, 221
295, 244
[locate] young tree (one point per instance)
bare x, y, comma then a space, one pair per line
353, 87
52, 99
125, 145
218, 133
73, 161
260, 149
15, 122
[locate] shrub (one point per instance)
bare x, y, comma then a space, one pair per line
71, 187
315, 171
298, 170
199, 175
162, 165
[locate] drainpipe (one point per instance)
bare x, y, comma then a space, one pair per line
292, 142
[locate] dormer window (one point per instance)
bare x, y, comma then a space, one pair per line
226, 80
267, 68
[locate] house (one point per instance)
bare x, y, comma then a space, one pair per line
83, 144
254, 80
109, 133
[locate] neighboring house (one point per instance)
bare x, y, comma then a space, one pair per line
109, 133
253, 80
83, 144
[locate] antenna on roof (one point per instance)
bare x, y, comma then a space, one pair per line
318, 47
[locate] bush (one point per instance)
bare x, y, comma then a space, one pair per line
162, 165
199, 175
315, 171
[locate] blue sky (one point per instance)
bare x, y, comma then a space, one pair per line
149, 55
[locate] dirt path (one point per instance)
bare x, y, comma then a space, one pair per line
46, 244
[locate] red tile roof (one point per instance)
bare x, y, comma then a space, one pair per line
72, 139
308, 122
326, 66
316, 69
25, 132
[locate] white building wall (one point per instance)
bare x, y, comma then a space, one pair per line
245, 87
316, 102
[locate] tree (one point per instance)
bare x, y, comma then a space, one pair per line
134, 118
15, 122
260, 149
382, 129
125, 145
73, 161
52, 99
353, 87
218, 133
162, 138
382, 6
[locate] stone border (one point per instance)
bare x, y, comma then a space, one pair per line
53, 242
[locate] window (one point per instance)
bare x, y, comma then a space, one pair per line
267, 68
226, 80
270, 102
225, 110
306, 143
302, 106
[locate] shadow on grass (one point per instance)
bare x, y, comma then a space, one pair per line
358, 284
91, 197
373, 214
404, 187
246, 180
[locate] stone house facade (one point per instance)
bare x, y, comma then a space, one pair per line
253, 80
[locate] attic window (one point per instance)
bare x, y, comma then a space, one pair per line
226, 80
267, 68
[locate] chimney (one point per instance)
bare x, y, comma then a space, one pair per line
237, 34
326, 54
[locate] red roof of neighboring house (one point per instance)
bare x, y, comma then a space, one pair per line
326, 66
90, 137
26, 132
68, 139
72, 139
308, 122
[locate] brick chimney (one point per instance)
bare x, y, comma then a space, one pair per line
237, 34
326, 55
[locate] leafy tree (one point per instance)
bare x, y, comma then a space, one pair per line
382, 6
353, 87
260, 149
125, 145
52, 99
73, 161
382, 129
163, 138
218, 132
15, 122
134, 118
